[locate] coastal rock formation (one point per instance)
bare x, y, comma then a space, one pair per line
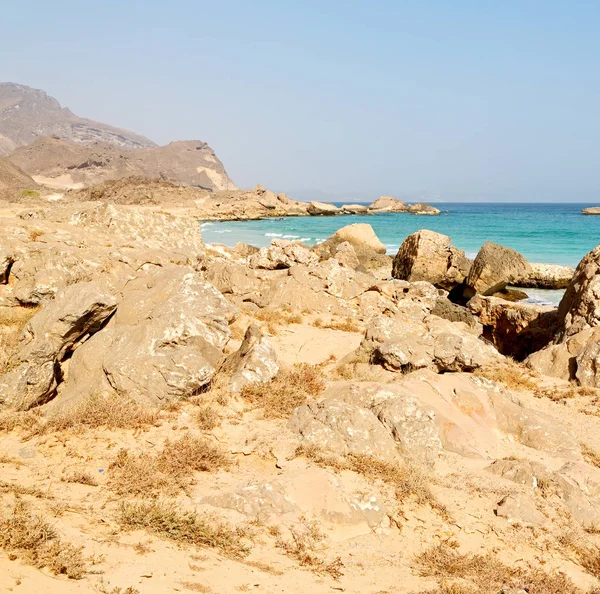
323, 208
515, 329
282, 254
495, 267
547, 276
388, 204
420, 208
591, 210
63, 165
355, 208
429, 256
27, 114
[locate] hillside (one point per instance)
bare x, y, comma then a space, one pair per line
26, 114
13, 179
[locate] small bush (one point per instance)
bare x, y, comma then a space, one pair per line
12, 322
346, 325
170, 521
6, 487
80, 477
207, 417
508, 372
30, 538
287, 391
30, 194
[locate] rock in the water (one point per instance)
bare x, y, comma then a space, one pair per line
323, 208
56, 331
355, 208
360, 235
591, 210
495, 267
420, 208
388, 204
429, 256
547, 276
254, 362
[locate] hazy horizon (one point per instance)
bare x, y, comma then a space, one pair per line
437, 101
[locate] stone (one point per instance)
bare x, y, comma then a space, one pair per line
591, 210
359, 235
515, 329
254, 362
244, 249
388, 204
588, 365
230, 278
547, 276
429, 256
355, 208
346, 255
165, 342
50, 336
444, 308
519, 509
6, 260
343, 429
420, 208
282, 254
322, 208
495, 267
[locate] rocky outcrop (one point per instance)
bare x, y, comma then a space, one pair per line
164, 343
282, 254
429, 256
494, 267
515, 329
388, 204
54, 333
547, 276
254, 362
420, 208
591, 210
14, 181
322, 209
355, 209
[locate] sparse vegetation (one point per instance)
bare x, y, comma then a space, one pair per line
170, 521
484, 574
508, 372
35, 234
290, 389
30, 194
562, 393
29, 537
12, 322
207, 417
346, 325
80, 477
16, 489
144, 475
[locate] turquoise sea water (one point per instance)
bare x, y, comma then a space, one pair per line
548, 233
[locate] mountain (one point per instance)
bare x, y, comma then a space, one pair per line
26, 114
13, 179
62, 150
63, 165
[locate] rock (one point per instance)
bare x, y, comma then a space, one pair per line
50, 336
355, 208
579, 309
494, 267
588, 365
509, 294
591, 210
322, 208
309, 492
444, 308
244, 249
359, 235
165, 342
401, 344
343, 429
515, 329
519, 509
254, 362
420, 208
230, 278
6, 261
429, 256
388, 204
547, 276
346, 255
282, 254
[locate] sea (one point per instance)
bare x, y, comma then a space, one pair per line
549, 233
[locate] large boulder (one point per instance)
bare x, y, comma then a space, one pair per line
323, 208
50, 336
164, 343
495, 267
388, 204
547, 276
420, 208
355, 208
429, 256
360, 235
515, 329
282, 254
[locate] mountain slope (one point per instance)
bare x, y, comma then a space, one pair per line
26, 114
13, 179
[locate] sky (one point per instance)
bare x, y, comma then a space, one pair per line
458, 100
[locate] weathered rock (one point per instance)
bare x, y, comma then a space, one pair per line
429, 256
343, 429
254, 362
165, 342
230, 278
588, 365
519, 509
495, 267
510, 294
282, 254
388, 204
323, 208
591, 210
359, 235
355, 208
580, 306
547, 276
515, 329
76, 313
444, 308
244, 249
346, 255
6, 260
420, 208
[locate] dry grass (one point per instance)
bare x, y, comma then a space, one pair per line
277, 316
346, 325
510, 373
29, 422
144, 475
562, 393
287, 391
103, 589
170, 521
30, 538
485, 574
15, 489
590, 455
207, 417
35, 234
107, 411
80, 477
408, 481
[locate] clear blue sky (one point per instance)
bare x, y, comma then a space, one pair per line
462, 100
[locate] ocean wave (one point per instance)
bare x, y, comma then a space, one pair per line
305, 239
273, 234
223, 231
206, 224
471, 255
291, 236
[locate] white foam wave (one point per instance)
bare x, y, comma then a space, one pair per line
291, 236
273, 234
305, 239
